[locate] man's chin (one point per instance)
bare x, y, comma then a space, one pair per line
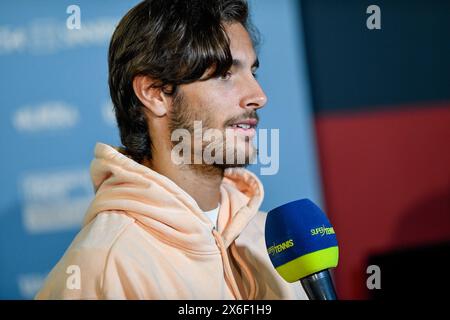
239, 159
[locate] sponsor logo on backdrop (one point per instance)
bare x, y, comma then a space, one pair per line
55, 201
47, 36
45, 116
29, 284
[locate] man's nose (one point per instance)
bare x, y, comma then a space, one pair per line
254, 96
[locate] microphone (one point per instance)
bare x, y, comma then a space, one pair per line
302, 245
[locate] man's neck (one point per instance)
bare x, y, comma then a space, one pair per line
201, 182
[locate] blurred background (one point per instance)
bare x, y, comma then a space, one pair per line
363, 114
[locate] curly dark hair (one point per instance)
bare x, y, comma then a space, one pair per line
173, 42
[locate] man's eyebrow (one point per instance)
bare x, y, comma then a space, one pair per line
238, 63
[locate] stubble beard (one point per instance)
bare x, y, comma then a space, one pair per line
183, 115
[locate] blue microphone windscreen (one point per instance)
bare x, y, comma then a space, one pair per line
300, 240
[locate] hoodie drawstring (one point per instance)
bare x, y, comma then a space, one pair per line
226, 266
242, 264
245, 268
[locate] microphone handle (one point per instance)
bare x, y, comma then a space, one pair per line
319, 286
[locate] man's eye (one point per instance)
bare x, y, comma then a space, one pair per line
225, 76
255, 75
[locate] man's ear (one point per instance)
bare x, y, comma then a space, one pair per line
153, 99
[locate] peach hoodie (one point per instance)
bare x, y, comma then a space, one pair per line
144, 237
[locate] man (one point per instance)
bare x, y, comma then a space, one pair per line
160, 227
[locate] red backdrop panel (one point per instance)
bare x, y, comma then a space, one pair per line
386, 177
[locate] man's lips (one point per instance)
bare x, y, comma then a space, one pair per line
245, 124
246, 127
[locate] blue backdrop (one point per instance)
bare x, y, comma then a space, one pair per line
55, 106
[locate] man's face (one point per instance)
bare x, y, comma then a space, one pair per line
227, 103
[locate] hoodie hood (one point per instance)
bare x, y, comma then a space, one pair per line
163, 208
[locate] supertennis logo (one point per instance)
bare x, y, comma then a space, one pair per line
322, 231
280, 247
